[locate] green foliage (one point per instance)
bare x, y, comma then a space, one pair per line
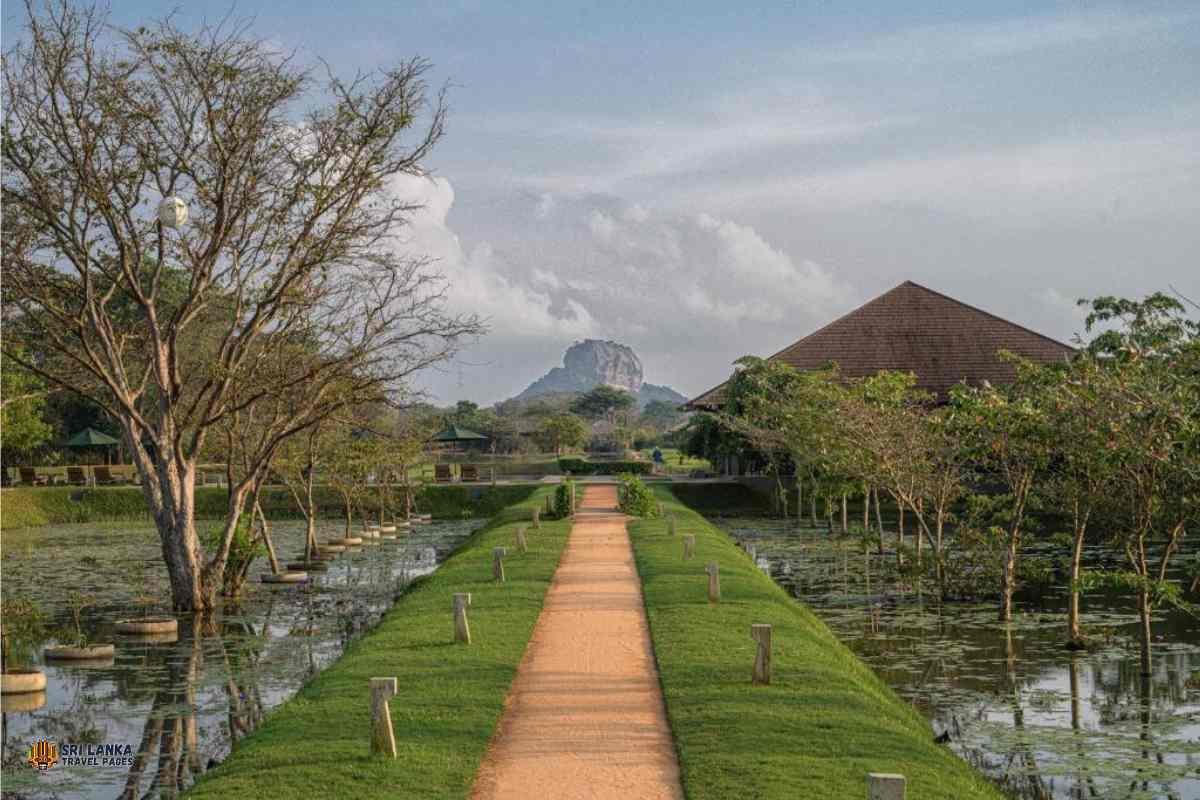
602, 401
75, 635
470, 416
661, 415
22, 630
23, 397
635, 498
319, 737
562, 430
577, 466
562, 498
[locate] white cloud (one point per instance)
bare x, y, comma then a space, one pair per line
957, 41
690, 293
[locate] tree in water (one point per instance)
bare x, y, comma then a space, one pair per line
291, 238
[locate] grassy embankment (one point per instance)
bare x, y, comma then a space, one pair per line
824, 722
450, 698
21, 508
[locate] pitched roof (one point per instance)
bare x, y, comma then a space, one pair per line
914, 329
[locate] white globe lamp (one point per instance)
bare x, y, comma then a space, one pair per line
172, 212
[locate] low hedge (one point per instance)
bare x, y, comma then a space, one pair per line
53, 505
450, 695
823, 723
577, 466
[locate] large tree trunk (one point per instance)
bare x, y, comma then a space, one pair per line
845, 517
169, 489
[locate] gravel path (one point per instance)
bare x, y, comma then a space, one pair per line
585, 716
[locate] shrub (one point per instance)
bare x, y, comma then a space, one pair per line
562, 499
636, 499
577, 466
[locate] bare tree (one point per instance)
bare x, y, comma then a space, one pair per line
291, 246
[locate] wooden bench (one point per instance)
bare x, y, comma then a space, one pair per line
441, 473
468, 473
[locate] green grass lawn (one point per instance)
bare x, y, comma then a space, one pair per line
824, 722
672, 465
450, 696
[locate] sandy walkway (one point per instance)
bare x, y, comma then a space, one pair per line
585, 718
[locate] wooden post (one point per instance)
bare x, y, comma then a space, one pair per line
714, 582
549, 506
689, 546
537, 519
762, 659
462, 629
660, 508
383, 740
498, 563
522, 545
671, 524
885, 786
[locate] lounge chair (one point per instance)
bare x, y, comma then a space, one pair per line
468, 473
76, 476
29, 477
104, 477
441, 473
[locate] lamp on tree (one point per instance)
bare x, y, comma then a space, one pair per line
172, 212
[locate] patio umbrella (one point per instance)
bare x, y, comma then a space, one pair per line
90, 437
456, 434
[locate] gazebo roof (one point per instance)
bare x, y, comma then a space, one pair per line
90, 437
454, 433
914, 329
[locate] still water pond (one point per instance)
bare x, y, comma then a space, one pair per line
181, 704
1041, 720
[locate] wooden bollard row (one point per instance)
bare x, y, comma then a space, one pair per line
522, 543
689, 546
671, 524
537, 518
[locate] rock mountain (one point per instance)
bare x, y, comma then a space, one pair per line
592, 362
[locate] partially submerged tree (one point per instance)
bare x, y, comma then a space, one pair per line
1149, 389
1007, 433
291, 239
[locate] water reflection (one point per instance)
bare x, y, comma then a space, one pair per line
181, 700
1044, 721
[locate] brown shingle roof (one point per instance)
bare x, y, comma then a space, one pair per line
914, 329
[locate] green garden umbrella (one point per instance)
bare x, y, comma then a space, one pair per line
457, 434
90, 437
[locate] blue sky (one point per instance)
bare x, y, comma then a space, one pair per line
705, 180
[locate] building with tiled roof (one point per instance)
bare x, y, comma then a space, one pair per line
913, 329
